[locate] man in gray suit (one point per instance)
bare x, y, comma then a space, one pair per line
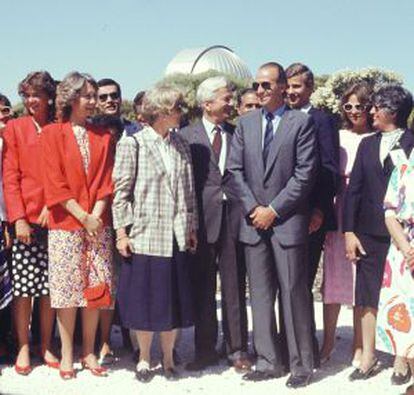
219, 222
271, 170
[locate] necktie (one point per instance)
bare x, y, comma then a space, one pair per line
268, 137
217, 142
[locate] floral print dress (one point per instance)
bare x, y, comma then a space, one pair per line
395, 320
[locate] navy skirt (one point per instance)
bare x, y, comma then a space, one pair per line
154, 293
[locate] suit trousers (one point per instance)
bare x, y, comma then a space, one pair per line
273, 268
226, 256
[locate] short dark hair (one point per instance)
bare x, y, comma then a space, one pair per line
363, 93
301, 69
394, 99
138, 98
109, 81
281, 71
244, 92
4, 99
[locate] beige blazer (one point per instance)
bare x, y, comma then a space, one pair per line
157, 205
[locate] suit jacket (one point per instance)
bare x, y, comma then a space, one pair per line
64, 175
285, 183
209, 182
363, 207
22, 175
323, 193
156, 206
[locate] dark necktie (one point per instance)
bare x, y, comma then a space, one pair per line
217, 142
268, 137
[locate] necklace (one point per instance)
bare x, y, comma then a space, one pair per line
37, 126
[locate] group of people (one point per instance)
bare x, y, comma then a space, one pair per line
104, 214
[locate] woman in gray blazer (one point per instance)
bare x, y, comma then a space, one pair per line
155, 217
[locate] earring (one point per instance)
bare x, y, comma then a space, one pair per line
50, 102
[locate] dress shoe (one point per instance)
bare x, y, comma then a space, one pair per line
241, 365
298, 380
67, 374
359, 374
202, 363
258, 375
107, 359
23, 370
171, 374
144, 375
98, 371
400, 379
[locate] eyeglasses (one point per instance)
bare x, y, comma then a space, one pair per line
348, 107
266, 85
104, 96
5, 111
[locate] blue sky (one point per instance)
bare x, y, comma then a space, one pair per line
132, 41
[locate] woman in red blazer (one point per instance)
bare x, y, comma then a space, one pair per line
77, 168
26, 210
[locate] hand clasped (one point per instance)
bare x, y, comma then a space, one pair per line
262, 217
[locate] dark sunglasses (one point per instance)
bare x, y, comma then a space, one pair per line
104, 96
5, 111
266, 85
348, 107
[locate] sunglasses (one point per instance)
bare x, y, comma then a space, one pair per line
104, 96
348, 107
5, 111
266, 85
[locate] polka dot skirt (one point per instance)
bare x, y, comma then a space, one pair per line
29, 270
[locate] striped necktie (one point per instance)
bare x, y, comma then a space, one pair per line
268, 137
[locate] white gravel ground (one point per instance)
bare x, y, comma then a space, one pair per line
330, 379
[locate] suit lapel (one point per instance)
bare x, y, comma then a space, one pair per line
407, 142
253, 138
281, 132
74, 152
202, 137
375, 153
154, 152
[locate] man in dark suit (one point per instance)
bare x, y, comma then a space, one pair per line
219, 221
271, 170
300, 85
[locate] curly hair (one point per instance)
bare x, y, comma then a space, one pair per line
68, 90
363, 92
40, 81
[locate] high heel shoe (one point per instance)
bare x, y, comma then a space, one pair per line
23, 370
51, 364
67, 374
98, 371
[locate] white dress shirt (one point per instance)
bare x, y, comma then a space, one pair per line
306, 108
388, 141
277, 116
211, 132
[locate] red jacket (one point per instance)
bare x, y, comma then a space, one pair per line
22, 164
64, 175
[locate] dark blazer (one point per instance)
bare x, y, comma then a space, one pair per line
323, 193
363, 208
209, 182
286, 182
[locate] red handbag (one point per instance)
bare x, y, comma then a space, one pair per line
99, 295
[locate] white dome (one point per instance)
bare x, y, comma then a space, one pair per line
200, 60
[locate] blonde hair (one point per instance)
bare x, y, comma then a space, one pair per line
68, 91
161, 99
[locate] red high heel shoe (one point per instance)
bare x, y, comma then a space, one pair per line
67, 374
51, 364
99, 371
23, 370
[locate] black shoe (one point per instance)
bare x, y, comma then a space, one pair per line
202, 363
359, 374
144, 375
171, 374
298, 380
258, 375
400, 379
